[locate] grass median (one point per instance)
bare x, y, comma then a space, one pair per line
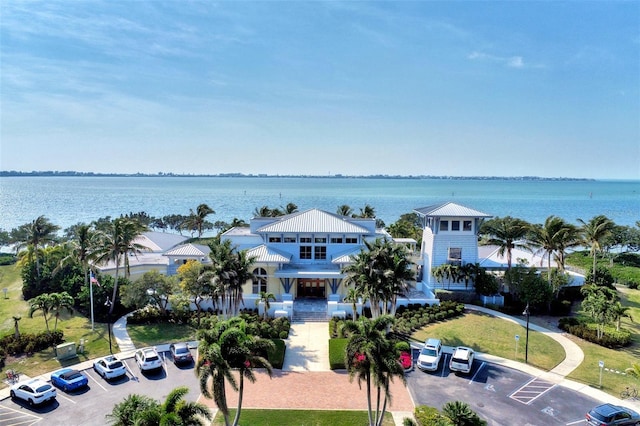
254, 417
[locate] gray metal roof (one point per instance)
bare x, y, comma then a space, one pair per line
189, 250
449, 210
264, 254
314, 221
159, 241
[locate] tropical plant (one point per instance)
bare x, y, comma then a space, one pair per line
371, 357
507, 233
553, 239
16, 328
174, 411
41, 303
115, 245
461, 414
125, 413
353, 297
59, 302
266, 298
594, 233
231, 270
222, 349
598, 303
197, 282
197, 221
34, 236
152, 288
290, 208
619, 311
634, 370
344, 210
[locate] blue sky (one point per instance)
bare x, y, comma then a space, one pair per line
414, 88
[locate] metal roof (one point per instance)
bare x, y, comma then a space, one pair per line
449, 210
346, 257
314, 221
264, 254
189, 250
159, 241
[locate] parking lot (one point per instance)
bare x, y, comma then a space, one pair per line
90, 405
500, 395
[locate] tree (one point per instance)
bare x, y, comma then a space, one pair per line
125, 412
290, 208
353, 296
599, 304
197, 282
266, 298
197, 221
35, 235
507, 233
231, 270
619, 311
41, 303
174, 411
222, 349
594, 233
60, 302
16, 328
553, 238
344, 210
461, 414
152, 288
115, 244
373, 359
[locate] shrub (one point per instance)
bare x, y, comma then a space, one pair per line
30, 343
430, 416
403, 346
611, 338
560, 307
276, 356
337, 349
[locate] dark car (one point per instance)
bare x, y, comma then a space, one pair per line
609, 415
180, 353
68, 379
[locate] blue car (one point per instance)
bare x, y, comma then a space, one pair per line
68, 379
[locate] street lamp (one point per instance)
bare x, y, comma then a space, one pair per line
526, 345
108, 304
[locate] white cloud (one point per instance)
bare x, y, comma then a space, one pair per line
508, 61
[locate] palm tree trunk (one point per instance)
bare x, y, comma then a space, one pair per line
240, 393
369, 398
115, 287
384, 409
377, 416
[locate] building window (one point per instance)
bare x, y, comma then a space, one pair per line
455, 225
466, 225
444, 225
320, 252
290, 239
305, 239
275, 239
455, 256
305, 252
259, 281
351, 240
336, 240
322, 240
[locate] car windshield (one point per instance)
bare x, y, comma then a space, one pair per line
72, 375
115, 365
181, 350
460, 360
152, 358
429, 352
43, 388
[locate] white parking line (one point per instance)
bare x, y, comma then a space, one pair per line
97, 382
130, 371
21, 414
576, 422
474, 376
64, 397
164, 364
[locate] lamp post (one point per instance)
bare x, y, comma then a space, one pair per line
108, 305
526, 344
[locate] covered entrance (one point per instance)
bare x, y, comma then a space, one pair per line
311, 287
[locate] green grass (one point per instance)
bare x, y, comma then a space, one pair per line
255, 417
337, 349
621, 272
156, 334
495, 336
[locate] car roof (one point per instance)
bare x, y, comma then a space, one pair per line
462, 352
608, 409
432, 342
180, 345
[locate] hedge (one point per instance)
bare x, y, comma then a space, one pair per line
337, 348
610, 339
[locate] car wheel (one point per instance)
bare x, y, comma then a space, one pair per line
13, 394
65, 388
31, 402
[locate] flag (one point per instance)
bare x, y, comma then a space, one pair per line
93, 279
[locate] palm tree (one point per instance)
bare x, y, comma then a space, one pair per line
290, 208
367, 212
41, 303
58, 303
620, 311
353, 296
115, 245
634, 370
231, 271
344, 210
373, 359
198, 220
461, 414
263, 211
125, 412
594, 232
80, 250
507, 233
266, 298
222, 349
16, 332
174, 411
554, 237
35, 235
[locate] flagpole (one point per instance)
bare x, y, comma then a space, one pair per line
91, 298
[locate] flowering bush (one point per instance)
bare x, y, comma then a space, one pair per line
406, 360
359, 359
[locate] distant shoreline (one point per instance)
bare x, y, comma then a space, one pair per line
12, 173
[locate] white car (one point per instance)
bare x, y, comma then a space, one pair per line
33, 391
430, 354
462, 360
148, 359
110, 367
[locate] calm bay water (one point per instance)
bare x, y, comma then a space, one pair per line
69, 200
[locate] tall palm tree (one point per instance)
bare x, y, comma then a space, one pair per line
552, 239
222, 349
353, 297
80, 248
35, 235
174, 411
263, 211
231, 271
620, 311
373, 359
594, 232
367, 212
344, 210
197, 220
60, 302
507, 233
41, 303
116, 244
266, 298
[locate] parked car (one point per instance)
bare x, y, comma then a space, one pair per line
462, 360
609, 414
68, 379
33, 391
110, 367
430, 354
180, 353
148, 359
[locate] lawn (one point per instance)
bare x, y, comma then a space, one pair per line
254, 417
156, 334
495, 336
